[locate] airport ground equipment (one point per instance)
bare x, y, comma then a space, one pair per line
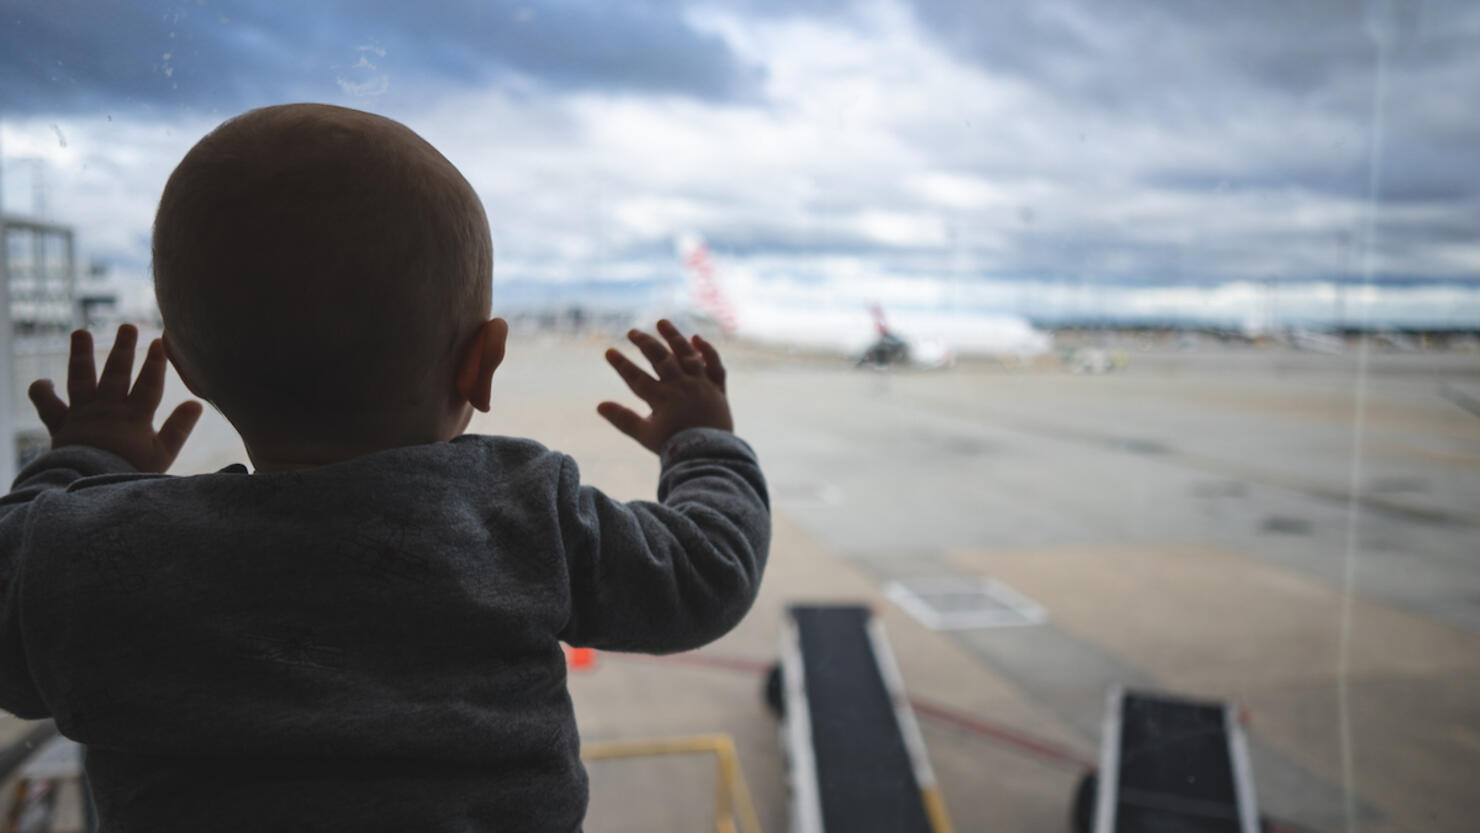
1168, 763
37, 802
733, 810
856, 759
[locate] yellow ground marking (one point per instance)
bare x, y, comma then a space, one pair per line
732, 796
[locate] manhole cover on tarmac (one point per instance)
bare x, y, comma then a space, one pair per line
961, 603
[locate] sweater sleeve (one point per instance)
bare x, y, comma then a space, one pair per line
50, 472
675, 574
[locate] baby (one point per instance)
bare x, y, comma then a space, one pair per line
364, 634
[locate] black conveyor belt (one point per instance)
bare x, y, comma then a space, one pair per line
1176, 772
865, 777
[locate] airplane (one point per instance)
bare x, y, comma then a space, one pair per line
919, 340
889, 349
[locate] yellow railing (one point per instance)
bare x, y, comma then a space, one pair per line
732, 798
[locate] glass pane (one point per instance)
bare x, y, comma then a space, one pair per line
1099, 350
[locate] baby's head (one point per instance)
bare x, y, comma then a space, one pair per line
324, 278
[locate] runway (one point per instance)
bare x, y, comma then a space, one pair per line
1247, 523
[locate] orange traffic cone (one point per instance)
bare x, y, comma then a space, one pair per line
580, 659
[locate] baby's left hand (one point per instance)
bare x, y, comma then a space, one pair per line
105, 414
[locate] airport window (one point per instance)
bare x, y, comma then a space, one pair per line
1112, 374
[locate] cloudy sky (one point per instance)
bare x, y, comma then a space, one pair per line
1194, 142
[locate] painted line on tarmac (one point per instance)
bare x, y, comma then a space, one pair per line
1021, 741
1470, 404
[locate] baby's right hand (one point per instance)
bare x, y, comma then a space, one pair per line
688, 393
104, 413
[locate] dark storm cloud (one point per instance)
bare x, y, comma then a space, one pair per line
1165, 59
1197, 64
61, 56
1176, 141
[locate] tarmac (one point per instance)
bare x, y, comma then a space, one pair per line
1293, 532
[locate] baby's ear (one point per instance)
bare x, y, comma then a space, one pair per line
480, 358
174, 360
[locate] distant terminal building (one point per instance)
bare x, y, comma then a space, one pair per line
40, 273
39, 287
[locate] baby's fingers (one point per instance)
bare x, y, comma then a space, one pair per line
645, 386
49, 406
176, 430
625, 420
688, 358
712, 364
149, 388
82, 373
656, 353
118, 369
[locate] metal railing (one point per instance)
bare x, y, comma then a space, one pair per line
732, 802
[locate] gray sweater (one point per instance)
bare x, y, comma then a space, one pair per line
368, 645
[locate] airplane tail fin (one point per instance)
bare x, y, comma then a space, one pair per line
877, 312
703, 282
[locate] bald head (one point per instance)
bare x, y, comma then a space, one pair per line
317, 268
